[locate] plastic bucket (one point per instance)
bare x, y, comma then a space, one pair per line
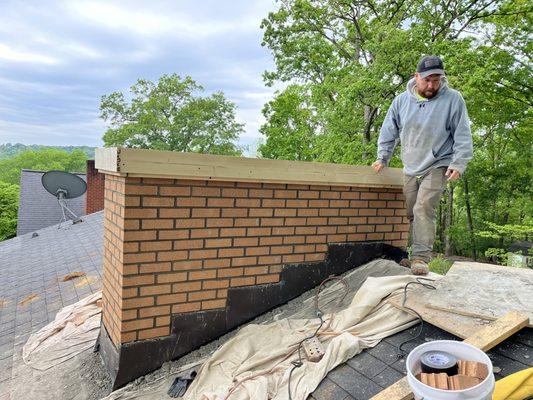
463, 351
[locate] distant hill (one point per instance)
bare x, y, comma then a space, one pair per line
7, 150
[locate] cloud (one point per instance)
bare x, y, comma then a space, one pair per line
57, 58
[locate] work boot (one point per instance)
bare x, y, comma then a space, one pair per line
419, 267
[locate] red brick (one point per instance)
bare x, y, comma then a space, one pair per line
241, 242
367, 211
232, 193
257, 251
369, 196
295, 221
141, 213
376, 220
336, 238
261, 212
256, 270
329, 212
207, 295
232, 252
151, 290
186, 287
281, 249
189, 223
186, 265
138, 189
129, 315
356, 237
232, 232
154, 311
218, 242
218, 284
269, 241
175, 191
211, 304
205, 212
350, 195
240, 261
158, 181
176, 234
138, 257
317, 221
274, 278
188, 244
204, 233
222, 202
220, 222
217, 263
243, 281
186, 307
162, 321
247, 222
197, 275
297, 203
190, 202
158, 202
153, 333
269, 260
174, 277
365, 228
285, 194
202, 254
172, 255
309, 248
374, 236
222, 293
234, 212
315, 257
227, 272
383, 228
292, 258
260, 193
206, 191
318, 203
157, 223
259, 231
248, 203
130, 236
285, 230
395, 204
385, 211
274, 203
155, 246
137, 324
172, 298
306, 230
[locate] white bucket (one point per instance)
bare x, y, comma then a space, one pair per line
462, 351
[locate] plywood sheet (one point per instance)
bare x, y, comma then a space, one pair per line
484, 291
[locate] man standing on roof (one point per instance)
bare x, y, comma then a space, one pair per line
431, 122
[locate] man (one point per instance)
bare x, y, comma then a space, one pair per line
431, 122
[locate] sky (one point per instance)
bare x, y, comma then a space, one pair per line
57, 58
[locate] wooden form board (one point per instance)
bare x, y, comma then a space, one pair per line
484, 290
458, 325
170, 164
488, 337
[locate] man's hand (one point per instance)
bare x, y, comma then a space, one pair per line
378, 166
452, 174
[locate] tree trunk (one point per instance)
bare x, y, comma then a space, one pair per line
369, 119
449, 218
469, 219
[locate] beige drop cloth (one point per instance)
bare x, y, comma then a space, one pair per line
257, 348
74, 329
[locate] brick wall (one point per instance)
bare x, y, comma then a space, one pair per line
176, 246
94, 199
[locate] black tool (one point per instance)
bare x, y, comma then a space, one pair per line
180, 384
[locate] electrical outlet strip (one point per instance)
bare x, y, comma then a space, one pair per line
313, 349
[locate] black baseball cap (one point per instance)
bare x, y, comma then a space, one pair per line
430, 65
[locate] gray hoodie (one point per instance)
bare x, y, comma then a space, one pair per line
433, 132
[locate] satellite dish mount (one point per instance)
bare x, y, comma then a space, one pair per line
63, 186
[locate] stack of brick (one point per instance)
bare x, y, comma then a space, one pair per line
94, 199
470, 374
175, 246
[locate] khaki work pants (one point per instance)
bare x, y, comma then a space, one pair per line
422, 196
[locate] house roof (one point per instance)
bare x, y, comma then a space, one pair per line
35, 265
38, 208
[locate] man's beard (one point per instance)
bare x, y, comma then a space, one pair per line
429, 94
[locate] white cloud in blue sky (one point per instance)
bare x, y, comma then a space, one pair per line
57, 58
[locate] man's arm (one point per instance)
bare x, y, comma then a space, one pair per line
388, 136
462, 138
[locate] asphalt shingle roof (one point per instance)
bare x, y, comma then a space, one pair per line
35, 266
38, 208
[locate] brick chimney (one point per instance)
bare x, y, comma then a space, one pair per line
94, 200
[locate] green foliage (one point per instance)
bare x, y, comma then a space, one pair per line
345, 61
9, 196
496, 255
8, 150
41, 160
440, 265
167, 115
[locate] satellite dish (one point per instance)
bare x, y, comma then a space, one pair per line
64, 185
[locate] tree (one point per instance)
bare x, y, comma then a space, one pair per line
9, 196
348, 60
168, 115
42, 160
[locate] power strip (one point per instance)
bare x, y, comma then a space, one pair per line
313, 349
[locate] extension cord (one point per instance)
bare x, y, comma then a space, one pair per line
314, 351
